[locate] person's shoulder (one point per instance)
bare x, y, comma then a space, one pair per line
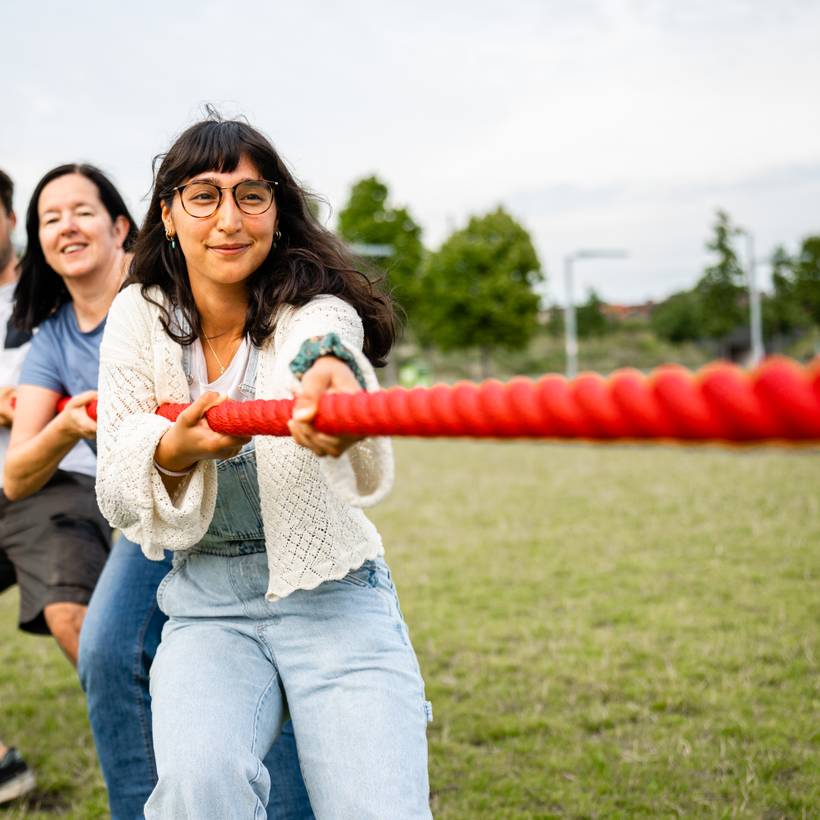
56, 325
133, 294
134, 300
49, 340
133, 313
328, 304
321, 314
328, 300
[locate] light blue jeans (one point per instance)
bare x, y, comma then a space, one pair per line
231, 666
118, 642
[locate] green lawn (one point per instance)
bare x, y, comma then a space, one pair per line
604, 632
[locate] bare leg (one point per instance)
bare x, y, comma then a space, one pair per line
65, 621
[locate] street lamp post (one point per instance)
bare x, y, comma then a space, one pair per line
370, 249
570, 328
570, 333
755, 323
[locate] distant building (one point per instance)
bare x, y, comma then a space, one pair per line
615, 313
623, 313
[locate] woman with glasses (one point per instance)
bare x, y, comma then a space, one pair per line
279, 601
79, 234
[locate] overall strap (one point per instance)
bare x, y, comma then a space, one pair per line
182, 326
248, 386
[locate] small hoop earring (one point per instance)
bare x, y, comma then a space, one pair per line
172, 239
277, 234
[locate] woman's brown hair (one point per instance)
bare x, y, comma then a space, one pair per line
308, 260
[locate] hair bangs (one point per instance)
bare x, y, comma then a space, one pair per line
214, 145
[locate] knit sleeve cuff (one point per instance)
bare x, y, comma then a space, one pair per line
327, 345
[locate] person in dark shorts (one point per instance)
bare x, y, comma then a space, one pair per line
52, 531
57, 543
16, 779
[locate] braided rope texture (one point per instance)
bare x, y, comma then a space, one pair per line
778, 401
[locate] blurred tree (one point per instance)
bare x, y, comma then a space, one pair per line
795, 300
555, 321
678, 318
480, 288
369, 218
721, 290
590, 317
806, 269
781, 311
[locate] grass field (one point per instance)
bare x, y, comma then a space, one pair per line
604, 632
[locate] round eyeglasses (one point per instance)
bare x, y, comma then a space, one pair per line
202, 199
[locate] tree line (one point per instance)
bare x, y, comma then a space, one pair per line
718, 303
479, 289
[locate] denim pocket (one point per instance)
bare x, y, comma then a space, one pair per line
179, 559
363, 576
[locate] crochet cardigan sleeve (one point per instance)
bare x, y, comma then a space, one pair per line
140, 368
363, 475
137, 373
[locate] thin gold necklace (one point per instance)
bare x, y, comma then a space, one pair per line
218, 360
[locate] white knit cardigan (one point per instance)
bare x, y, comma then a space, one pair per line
314, 529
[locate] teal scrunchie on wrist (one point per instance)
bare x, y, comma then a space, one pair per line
328, 345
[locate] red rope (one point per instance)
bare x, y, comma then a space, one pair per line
780, 400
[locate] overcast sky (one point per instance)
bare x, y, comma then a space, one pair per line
597, 123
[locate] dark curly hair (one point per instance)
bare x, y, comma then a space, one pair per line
307, 261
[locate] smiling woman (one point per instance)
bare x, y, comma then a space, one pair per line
280, 601
79, 231
222, 238
79, 238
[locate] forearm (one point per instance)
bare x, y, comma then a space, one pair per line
135, 499
30, 464
169, 460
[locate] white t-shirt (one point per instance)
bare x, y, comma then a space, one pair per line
11, 361
228, 382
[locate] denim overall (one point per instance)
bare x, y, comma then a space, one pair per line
231, 666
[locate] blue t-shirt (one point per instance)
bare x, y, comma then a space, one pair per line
66, 360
